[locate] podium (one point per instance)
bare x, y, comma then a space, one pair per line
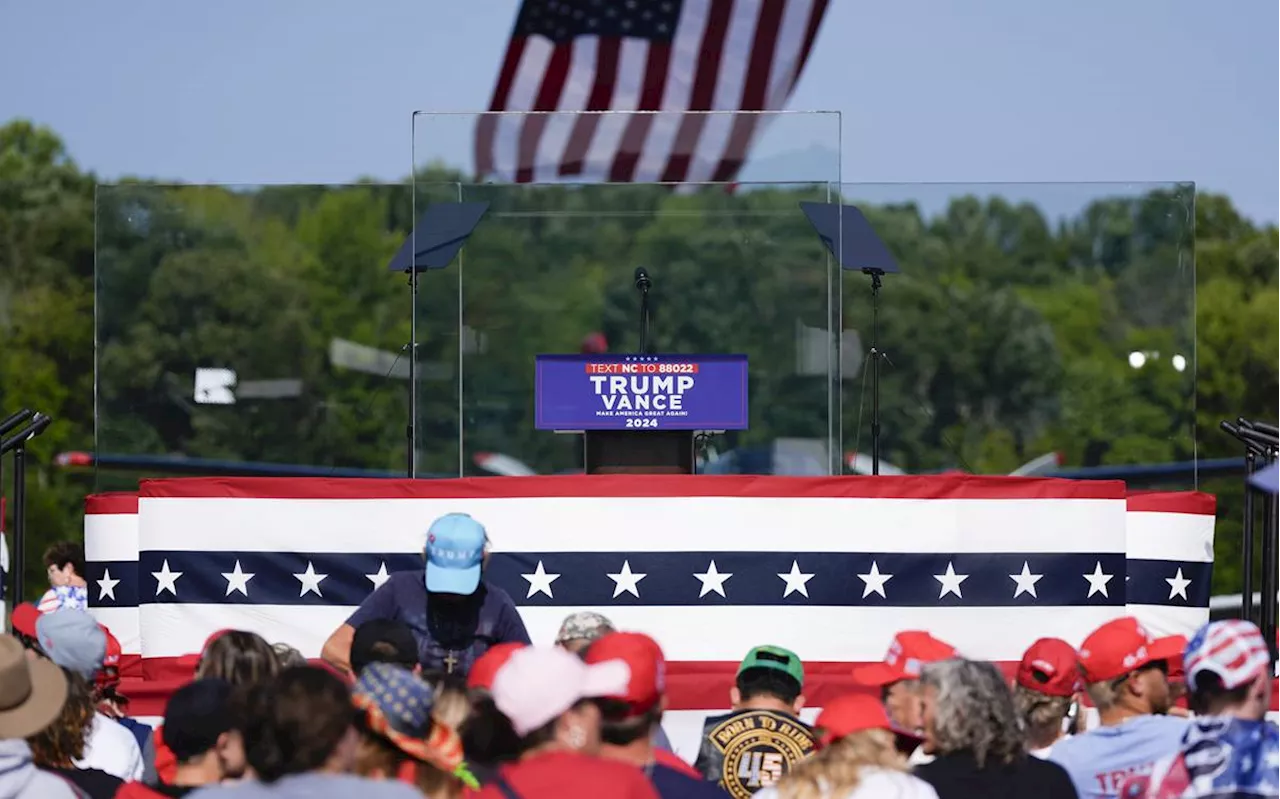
639, 414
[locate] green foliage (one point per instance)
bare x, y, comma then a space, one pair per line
1008, 334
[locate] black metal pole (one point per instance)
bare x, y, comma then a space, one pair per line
875, 372
1246, 544
19, 522
411, 430
1267, 609
1271, 533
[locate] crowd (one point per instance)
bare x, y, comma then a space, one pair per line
415, 703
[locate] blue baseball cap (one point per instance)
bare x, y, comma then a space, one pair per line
455, 548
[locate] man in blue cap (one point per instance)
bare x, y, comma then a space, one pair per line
454, 613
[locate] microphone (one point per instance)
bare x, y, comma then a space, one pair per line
642, 279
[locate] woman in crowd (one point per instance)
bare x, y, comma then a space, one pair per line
545, 693
973, 733
857, 758
58, 746
400, 739
242, 659
1046, 694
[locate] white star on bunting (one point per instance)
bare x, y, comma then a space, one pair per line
1098, 581
1178, 585
874, 581
712, 580
540, 582
1026, 581
950, 582
310, 581
107, 586
166, 580
626, 581
796, 580
379, 577
237, 580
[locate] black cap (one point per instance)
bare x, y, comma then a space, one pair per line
850, 237
196, 715
441, 231
383, 641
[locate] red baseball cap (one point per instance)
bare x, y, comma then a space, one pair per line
848, 714
643, 656
908, 653
1177, 671
24, 619
486, 666
1123, 645
1050, 667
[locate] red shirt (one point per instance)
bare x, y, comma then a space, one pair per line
572, 776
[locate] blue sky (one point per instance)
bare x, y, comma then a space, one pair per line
299, 91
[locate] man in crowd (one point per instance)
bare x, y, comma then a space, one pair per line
898, 680
629, 719
384, 641
77, 643
753, 746
579, 630
454, 614
302, 743
1125, 673
1046, 691
32, 692
1229, 750
197, 728
64, 563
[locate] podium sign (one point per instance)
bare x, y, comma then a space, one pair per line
641, 392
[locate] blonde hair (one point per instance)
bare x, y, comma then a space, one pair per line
1105, 694
452, 706
1041, 714
379, 759
837, 769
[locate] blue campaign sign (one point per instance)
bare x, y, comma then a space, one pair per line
641, 392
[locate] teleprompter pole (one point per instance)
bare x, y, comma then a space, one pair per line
876, 274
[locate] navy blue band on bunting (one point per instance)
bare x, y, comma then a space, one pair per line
840, 579
1170, 582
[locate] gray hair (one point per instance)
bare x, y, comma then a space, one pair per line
974, 711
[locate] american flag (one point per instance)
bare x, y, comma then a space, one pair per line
711, 566
671, 56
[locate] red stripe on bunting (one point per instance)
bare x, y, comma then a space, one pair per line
1195, 502
111, 502
922, 487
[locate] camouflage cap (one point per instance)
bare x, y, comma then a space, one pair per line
584, 625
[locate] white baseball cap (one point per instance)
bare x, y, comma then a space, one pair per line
537, 684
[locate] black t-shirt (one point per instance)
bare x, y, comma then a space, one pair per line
95, 782
957, 776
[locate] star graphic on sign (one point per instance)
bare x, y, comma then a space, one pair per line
166, 580
540, 582
379, 577
1098, 581
874, 581
1177, 585
950, 582
1026, 581
310, 580
237, 580
107, 586
626, 581
712, 580
795, 580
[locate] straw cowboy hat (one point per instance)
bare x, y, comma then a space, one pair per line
32, 692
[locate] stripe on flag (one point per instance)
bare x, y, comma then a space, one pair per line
672, 56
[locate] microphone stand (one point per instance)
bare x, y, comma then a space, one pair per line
875, 274
643, 284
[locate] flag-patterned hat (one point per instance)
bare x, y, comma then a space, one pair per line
397, 706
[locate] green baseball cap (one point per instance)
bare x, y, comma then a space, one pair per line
774, 657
